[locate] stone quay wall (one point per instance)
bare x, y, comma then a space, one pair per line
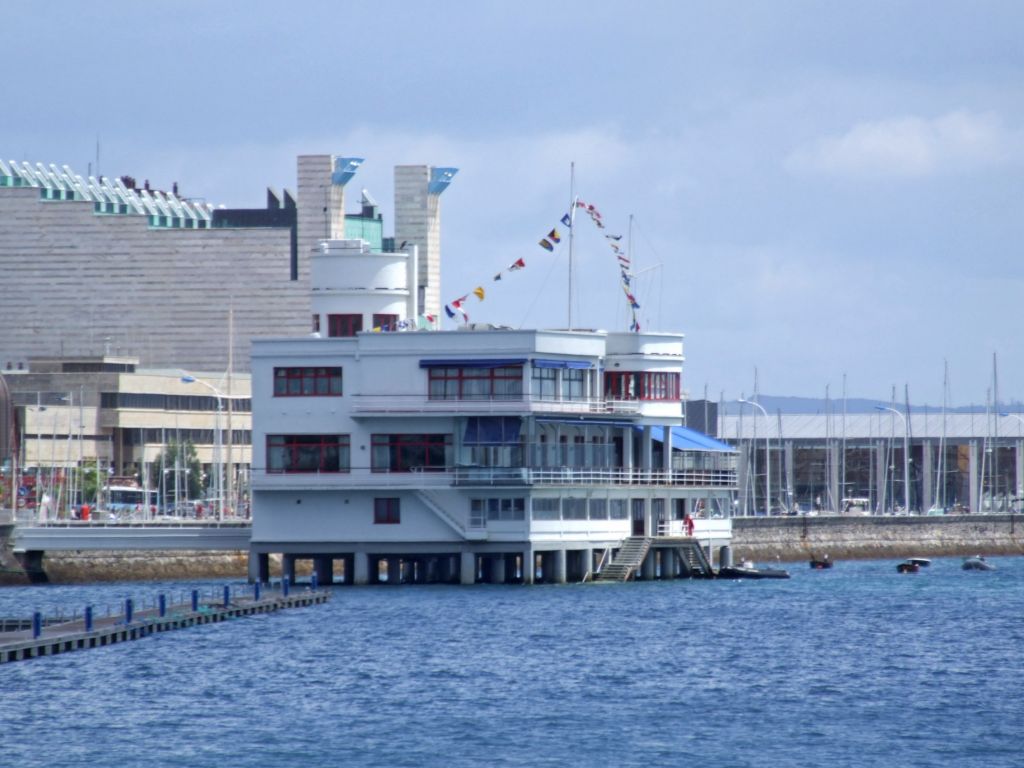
89, 567
800, 538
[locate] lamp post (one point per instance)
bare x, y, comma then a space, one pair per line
187, 378
906, 455
1020, 480
767, 455
12, 443
218, 478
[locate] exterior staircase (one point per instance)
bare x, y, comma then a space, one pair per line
694, 560
631, 555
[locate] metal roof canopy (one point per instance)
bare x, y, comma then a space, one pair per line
687, 439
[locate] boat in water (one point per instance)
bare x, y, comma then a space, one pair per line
922, 562
977, 563
747, 570
820, 564
908, 566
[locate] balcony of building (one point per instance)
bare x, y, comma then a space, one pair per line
424, 405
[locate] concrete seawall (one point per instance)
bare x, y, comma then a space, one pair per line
798, 538
757, 538
88, 567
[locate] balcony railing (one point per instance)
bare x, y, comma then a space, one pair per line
379, 405
494, 476
583, 476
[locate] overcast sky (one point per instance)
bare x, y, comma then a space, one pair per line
817, 188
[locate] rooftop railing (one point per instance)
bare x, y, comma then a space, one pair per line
510, 404
495, 476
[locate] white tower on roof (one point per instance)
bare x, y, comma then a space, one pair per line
418, 222
354, 289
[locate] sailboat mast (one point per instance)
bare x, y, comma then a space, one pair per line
995, 434
942, 440
232, 506
842, 458
572, 229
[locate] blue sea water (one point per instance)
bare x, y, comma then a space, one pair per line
857, 666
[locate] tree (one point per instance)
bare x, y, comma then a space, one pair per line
178, 459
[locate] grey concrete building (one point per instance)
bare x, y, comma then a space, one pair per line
95, 266
882, 462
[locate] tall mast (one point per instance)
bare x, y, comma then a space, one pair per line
942, 441
231, 364
994, 486
572, 228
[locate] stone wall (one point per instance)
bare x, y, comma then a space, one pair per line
798, 538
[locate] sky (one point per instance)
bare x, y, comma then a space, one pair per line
814, 193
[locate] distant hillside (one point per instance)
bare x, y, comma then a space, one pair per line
787, 404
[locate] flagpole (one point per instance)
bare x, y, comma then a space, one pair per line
572, 222
632, 262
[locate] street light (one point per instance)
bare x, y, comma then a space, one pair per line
188, 378
218, 478
906, 455
767, 455
1020, 480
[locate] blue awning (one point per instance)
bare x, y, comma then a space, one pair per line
492, 430
686, 439
581, 422
577, 364
471, 363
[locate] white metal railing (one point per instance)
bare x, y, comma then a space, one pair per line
484, 476
262, 479
405, 404
593, 476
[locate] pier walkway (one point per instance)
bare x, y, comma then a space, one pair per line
30, 638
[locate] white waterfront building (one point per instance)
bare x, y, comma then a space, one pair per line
481, 454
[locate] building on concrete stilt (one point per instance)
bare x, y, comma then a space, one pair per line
406, 454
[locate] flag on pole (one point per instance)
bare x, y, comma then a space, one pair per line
479, 292
546, 245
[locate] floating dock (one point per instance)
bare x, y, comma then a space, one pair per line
31, 638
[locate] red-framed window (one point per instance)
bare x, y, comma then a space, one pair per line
385, 322
307, 382
476, 383
344, 325
308, 453
387, 511
410, 453
641, 385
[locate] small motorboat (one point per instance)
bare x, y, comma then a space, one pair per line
908, 566
747, 570
820, 564
977, 563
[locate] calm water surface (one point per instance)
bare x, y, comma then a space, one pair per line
857, 666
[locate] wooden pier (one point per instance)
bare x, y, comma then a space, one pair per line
31, 638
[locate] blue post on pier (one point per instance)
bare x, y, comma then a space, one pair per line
227, 596
284, 586
256, 592
128, 610
195, 600
88, 618
37, 624
163, 606
312, 581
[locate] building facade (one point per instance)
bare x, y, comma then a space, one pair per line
478, 454
883, 462
105, 414
100, 266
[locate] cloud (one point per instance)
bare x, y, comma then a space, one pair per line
908, 147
